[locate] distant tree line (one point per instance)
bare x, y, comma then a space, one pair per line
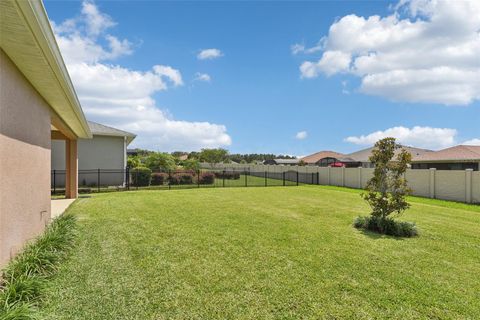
191, 160
257, 157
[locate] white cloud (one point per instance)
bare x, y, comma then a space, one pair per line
202, 77
208, 54
426, 51
172, 74
301, 135
122, 97
422, 137
332, 62
473, 142
298, 48
96, 22
79, 37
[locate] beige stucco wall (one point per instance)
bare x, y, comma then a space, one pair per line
24, 160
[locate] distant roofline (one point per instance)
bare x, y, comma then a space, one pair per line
113, 132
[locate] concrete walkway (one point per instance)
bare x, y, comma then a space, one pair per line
59, 206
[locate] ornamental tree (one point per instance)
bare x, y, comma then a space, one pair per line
387, 189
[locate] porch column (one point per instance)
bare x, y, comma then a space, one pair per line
71, 169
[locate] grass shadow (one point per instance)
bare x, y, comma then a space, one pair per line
376, 236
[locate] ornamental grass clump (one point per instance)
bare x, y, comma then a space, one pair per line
386, 191
23, 279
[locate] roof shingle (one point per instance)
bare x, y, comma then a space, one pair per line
456, 153
314, 158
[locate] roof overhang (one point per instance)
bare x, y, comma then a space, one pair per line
27, 38
128, 138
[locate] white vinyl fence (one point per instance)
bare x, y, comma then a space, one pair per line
456, 185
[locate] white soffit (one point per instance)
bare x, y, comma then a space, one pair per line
27, 38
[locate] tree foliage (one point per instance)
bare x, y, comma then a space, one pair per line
387, 189
254, 157
214, 156
160, 161
191, 164
133, 161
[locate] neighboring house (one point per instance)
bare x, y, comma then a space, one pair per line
455, 158
361, 158
284, 162
183, 157
132, 152
107, 151
37, 103
322, 158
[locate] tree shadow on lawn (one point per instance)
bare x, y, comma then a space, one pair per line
376, 236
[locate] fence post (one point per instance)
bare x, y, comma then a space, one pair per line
343, 176
246, 179
432, 182
318, 178
265, 174
136, 178
54, 183
328, 180
169, 179
283, 177
127, 177
98, 180
223, 180
198, 178
297, 176
359, 177
468, 185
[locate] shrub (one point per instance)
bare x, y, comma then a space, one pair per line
173, 179
184, 178
159, 178
181, 178
206, 178
227, 175
141, 176
24, 277
386, 226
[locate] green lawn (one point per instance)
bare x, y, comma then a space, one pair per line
264, 253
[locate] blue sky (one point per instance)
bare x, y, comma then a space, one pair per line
261, 93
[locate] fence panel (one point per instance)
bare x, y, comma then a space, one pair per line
336, 177
457, 185
449, 185
476, 187
419, 181
352, 178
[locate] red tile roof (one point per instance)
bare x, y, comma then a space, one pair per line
314, 158
457, 153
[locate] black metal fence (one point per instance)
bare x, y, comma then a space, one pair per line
105, 180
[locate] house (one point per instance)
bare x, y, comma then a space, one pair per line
284, 162
107, 151
455, 158
361, 158
322, 158
37, 103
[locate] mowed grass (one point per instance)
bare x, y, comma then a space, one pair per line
264, 253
